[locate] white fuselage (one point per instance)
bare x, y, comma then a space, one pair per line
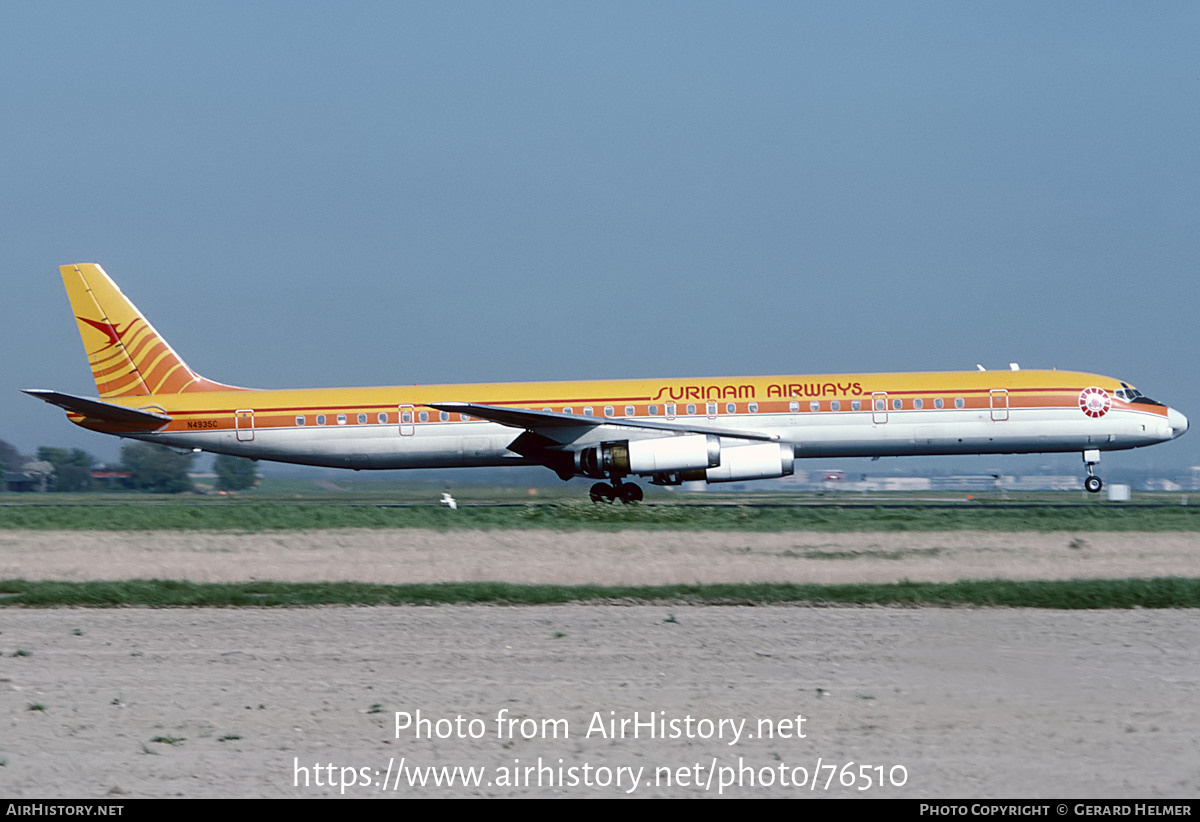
863, 433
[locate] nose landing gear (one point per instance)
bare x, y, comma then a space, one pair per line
1092, 483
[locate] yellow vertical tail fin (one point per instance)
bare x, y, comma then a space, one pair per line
128, 357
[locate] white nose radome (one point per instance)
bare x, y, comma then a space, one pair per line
1178, 422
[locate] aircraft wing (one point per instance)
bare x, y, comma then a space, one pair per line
546, 421
133, 419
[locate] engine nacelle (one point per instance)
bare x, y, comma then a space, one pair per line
749, 462
660, 455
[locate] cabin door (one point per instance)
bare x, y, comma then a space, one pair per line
406, 421
879, 412
243, 421
999, 400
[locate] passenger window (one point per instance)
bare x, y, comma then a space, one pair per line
731, 407
958, 402
814, 406
897, 404
880, 405
444, 416
855, 405
835, 406
423, 416
691, 408
362, 419
752, 408
793, 406
712, 409
652, 410
918, 403
630, 411
938, 403
567, 410
320, 419
300, 420
608, 410
464, 417
587, 411
670, 409
406, 417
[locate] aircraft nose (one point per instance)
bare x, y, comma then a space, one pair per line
1178, 422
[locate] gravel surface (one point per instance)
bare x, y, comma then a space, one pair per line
981, 703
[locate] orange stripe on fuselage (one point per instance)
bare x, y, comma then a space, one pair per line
766, 408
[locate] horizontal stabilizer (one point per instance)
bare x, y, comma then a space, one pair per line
544, 421
132, 419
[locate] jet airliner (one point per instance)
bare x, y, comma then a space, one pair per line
666, 431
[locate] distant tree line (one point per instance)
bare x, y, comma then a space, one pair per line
144, 467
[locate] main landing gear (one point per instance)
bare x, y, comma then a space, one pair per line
1092, 483
626, 492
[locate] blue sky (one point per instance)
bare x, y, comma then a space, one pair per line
387, 193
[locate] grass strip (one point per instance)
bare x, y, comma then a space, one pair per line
255, 516
1163, 592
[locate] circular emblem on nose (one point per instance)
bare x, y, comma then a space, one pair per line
1094, 402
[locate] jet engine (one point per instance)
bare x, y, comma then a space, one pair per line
748, 462
660, 455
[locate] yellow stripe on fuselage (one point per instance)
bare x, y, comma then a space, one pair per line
770, 394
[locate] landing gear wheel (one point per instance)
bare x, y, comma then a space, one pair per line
629, 492
1093, 484
602, 492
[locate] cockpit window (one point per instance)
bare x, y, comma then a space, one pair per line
1130, 394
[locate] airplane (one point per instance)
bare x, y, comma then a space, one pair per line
667, 431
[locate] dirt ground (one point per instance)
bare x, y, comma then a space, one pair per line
579, 557
598, 700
